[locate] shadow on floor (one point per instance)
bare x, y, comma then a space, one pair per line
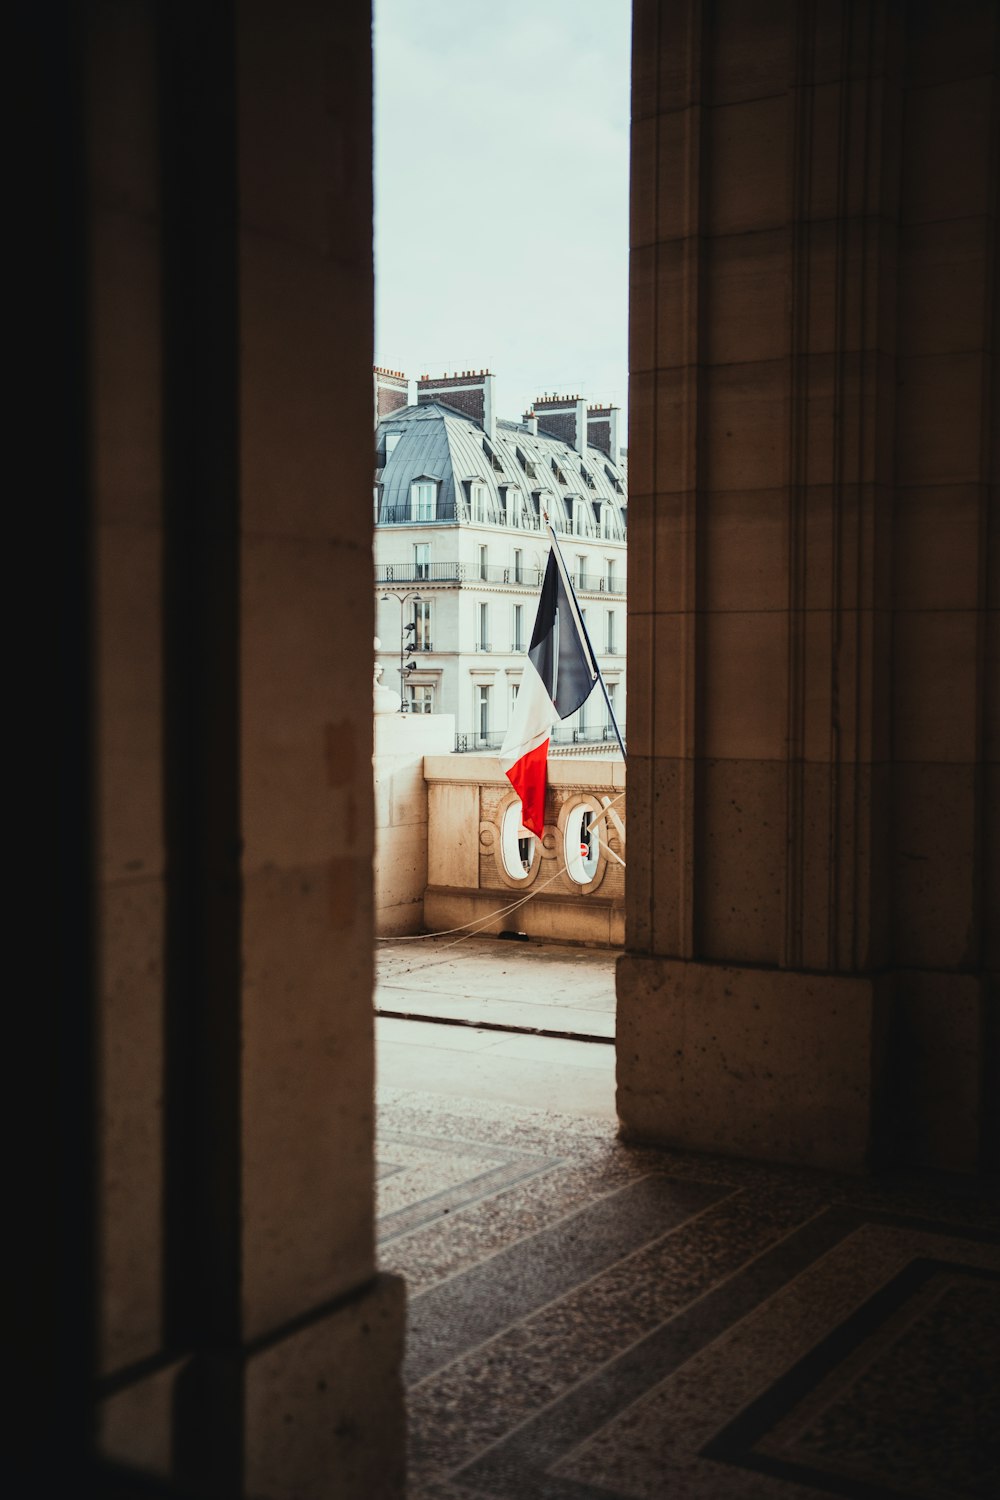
590, 1321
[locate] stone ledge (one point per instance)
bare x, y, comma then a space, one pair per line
565, 918
598, 772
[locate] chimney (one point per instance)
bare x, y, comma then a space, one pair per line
531, 422
602, 429
392, 392
581, 427
564, 417
467, 391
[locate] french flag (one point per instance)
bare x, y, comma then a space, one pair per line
558, 678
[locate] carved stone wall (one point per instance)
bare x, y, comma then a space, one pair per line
245, 1341
470, 875
813, 679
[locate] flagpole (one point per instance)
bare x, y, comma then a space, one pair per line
567, 580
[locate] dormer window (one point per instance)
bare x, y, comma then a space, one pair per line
423, 499
391, 439
557, 513
588, 478
513, 505
477, 501
527, 464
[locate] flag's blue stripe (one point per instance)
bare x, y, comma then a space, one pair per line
558, 651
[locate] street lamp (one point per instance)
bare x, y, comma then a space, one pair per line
406, 648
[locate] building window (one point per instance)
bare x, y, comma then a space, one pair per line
479, 502
581, 571
483, 643
518, 627
518, 565
483, 710
515, 688
611, 644
376, 496
612, 704
421, 697
391, 439
517, 844
423, 500
609, 574
513, 506
581, 845
422, 624
421, 560
484, 562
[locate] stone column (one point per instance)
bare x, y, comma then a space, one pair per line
783, 157
247, 1344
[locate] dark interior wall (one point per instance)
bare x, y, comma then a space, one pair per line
53, 1187
943, 872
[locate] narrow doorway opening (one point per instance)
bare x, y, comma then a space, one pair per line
500, 403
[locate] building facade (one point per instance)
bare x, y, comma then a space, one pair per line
460, 501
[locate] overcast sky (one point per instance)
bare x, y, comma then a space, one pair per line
501, 193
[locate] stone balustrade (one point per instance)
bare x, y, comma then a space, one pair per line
477, 863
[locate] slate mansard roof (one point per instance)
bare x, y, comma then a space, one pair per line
440, 443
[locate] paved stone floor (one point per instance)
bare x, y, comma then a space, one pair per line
546, 987
486, 986
589, 1321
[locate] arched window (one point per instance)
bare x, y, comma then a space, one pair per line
517, 844
581, 845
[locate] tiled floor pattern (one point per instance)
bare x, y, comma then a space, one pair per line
588, 1321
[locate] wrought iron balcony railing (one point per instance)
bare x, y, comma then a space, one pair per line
406, 515
456, 572
473, 741
598, 583
414, 572
528, 578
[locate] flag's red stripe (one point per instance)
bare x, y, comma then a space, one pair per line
527, 777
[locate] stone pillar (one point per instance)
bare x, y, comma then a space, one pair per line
806, 975
246, 1343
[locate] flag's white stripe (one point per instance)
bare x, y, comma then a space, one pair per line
532, 718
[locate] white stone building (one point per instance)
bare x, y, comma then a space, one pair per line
460, 546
